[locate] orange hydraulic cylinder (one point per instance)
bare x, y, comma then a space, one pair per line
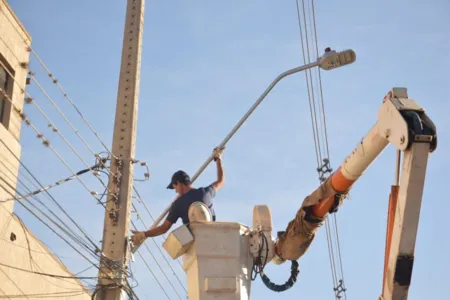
340, 184
353, 167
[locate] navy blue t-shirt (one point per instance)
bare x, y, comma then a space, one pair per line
180, 208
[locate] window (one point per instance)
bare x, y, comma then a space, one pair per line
6, 84
4, 80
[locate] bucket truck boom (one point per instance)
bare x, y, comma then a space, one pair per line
404, 124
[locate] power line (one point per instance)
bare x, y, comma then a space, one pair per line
44, 274
57, 183
148, 267
69, 231
320, 80
13, 282
52, 198
32, 261
145, 262
340, 287
323, 162
78, 240
55, 81
30, 99
59, 235
46, 142
151, 216
59, 111
156, 261
44, 295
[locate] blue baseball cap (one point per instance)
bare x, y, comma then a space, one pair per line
179, 176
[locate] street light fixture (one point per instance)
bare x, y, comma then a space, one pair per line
330, 60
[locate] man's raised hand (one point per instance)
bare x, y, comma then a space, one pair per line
217, 153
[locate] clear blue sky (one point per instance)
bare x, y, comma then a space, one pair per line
203, 66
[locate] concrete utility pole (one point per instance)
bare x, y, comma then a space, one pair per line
118, 207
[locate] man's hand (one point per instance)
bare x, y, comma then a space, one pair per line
138, 237
218, 153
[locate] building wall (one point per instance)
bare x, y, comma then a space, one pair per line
21, 253
13, 52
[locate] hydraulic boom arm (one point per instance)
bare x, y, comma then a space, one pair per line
400, 122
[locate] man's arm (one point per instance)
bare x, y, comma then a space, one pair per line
220, 177
140, 236
159, 230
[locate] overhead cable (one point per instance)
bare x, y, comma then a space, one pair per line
57, 183
323, 162
141, 200
47, 225
83, 231
162, 270
47, 143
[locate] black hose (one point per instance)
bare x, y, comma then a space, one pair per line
288, 284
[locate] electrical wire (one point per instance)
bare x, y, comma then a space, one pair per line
33, 262
13, 281
30, 99
30, 49
52, 198
51, 124
44, 295
4, 294
57, 183
163, 235
55, 81
47, 225
76, 239
44, 274
156, 278
318, 138
24, 118
162, 254
28, 243
308, 88
68, 232
341, 285
157, 263
59, 111
320, 81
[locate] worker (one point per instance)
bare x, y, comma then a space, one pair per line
187, 194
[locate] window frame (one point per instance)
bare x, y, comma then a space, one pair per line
5, 110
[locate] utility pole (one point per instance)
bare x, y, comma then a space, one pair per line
114, 259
